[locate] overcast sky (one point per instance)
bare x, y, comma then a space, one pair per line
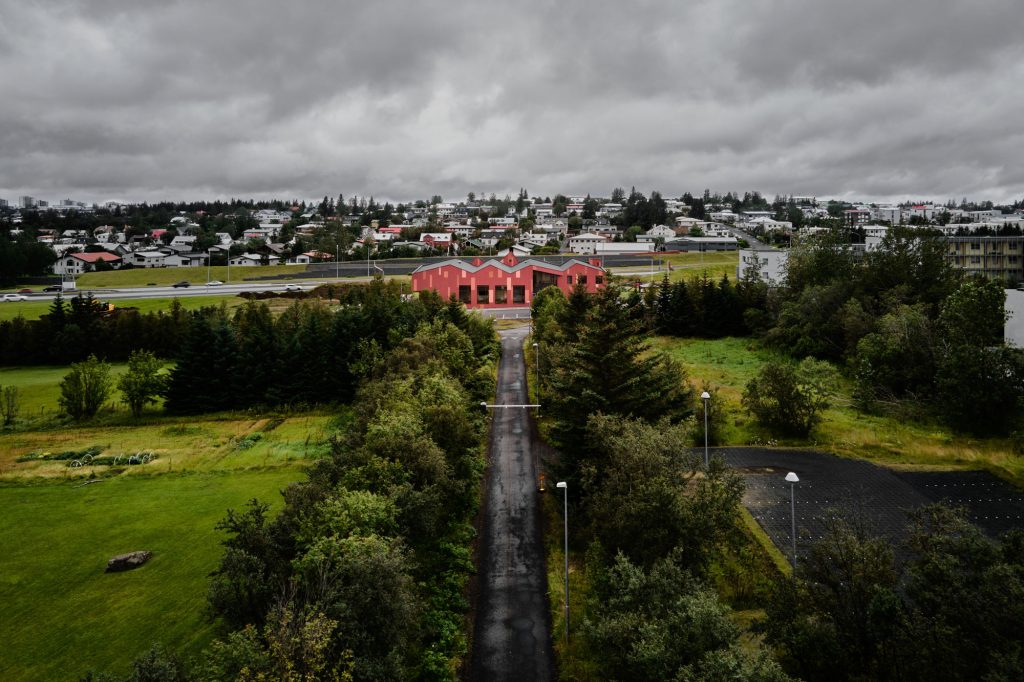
119, 99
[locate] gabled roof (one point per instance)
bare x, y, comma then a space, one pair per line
93, 257
507, 264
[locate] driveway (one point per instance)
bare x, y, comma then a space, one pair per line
513, 632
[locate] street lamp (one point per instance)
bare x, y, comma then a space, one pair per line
536, 359
705, 396
565, 518
793, 479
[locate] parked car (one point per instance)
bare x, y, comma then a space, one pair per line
181, 285
53, 288
24, 291
215, 283
14, 297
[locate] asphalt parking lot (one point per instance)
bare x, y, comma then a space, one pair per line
856, 490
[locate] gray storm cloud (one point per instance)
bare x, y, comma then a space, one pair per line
408, 99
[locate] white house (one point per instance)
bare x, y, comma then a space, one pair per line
148, 258
586, 242
185, 260
251, 259
656, 233
77, 263
183, 242
767, 265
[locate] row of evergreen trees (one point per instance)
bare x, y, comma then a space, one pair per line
704, 308
308, 355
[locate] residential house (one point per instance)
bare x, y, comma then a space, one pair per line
77, 263
764, 264
253, 259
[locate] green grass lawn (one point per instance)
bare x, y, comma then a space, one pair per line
684, 266
728, 364
39, 387
62, 615
140, 277
33, 310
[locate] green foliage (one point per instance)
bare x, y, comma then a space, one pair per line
898, 358
951, 613
645, 471
788, 399
9, 404
660, 624
974, 315
142, 383
85, 388
604, 367
372, 549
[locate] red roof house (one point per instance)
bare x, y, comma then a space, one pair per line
507, 282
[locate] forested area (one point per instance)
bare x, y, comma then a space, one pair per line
363, 574
655, 533
914, 333
655, 523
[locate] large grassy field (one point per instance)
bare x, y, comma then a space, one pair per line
33, 310
683, 266
728, 364
62, 615
140, 277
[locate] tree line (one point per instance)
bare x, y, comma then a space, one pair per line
363, 574
653, 523
657, 531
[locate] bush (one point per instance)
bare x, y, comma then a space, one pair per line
85, 388
787, 399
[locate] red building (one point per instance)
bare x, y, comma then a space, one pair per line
506, 282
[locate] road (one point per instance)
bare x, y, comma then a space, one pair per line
513, 633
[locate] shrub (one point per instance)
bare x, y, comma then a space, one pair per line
788, 399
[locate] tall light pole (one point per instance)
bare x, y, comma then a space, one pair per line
337, 255
705, 396
536, 359
565, 519
793, 479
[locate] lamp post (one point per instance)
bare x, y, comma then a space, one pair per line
565, 518
536, 359
793, 479
705, 396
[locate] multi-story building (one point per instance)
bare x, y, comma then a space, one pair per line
993, 257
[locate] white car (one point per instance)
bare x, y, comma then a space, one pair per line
292, 287
14, 297
215, 283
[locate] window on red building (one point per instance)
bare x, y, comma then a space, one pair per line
518, 293
598, 279
500, 293
483, 293
568, 279
583, 280
465, 293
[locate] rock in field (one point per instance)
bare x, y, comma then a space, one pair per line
126, 562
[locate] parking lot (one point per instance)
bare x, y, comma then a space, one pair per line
856, 490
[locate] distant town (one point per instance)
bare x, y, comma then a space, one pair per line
78, 237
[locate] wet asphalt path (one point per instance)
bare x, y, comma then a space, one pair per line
513, 636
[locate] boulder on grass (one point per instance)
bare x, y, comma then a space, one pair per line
126, 562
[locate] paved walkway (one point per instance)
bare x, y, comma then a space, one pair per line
513, 633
